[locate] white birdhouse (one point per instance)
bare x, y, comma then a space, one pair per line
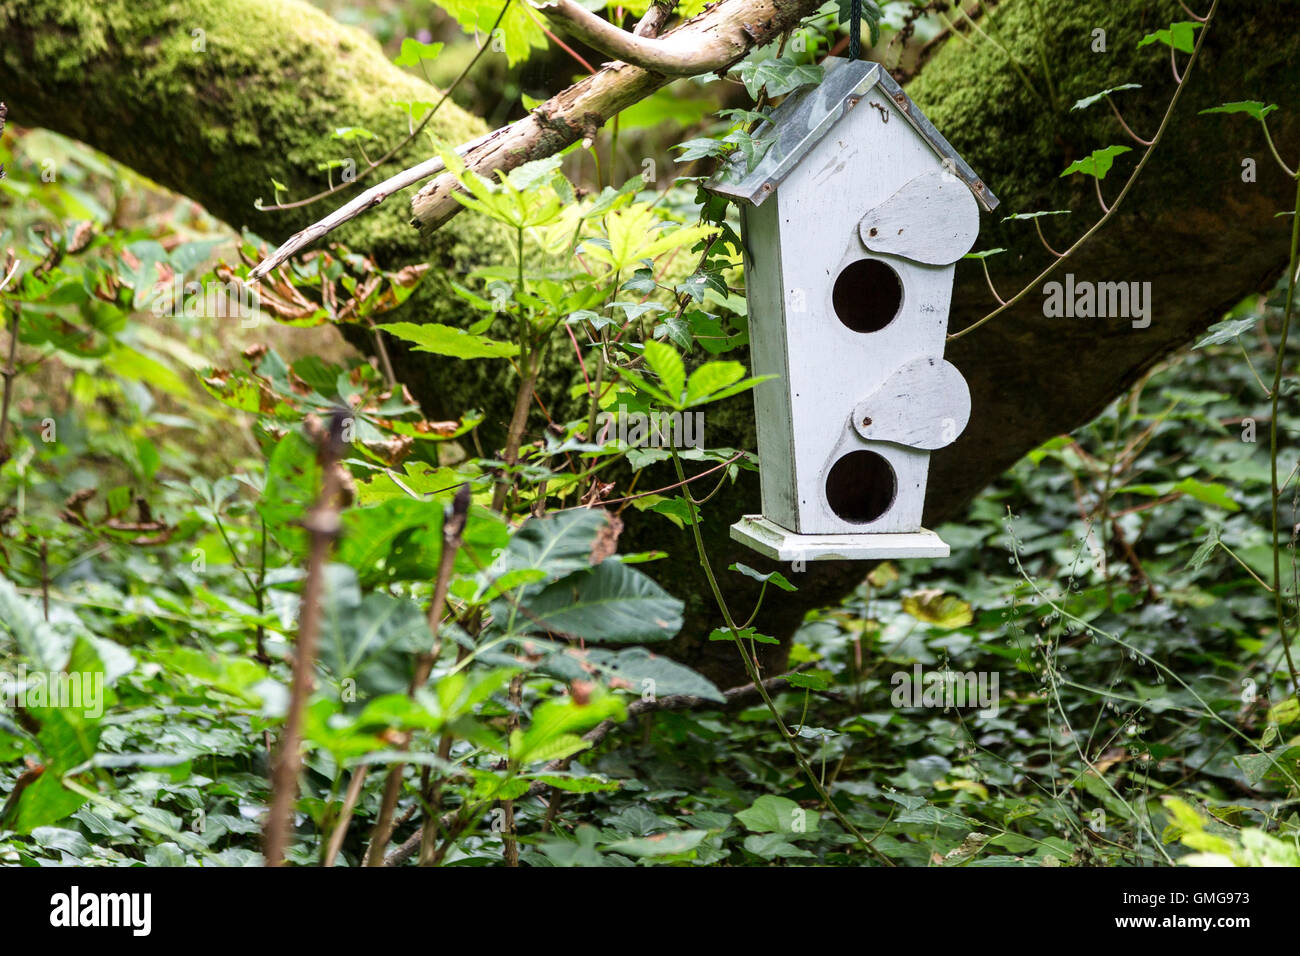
853, 219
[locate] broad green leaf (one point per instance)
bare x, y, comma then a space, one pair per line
611, 602
451, 341
744, 634
293, 480
1205, 549
371, 641
558, 545
560, 719
519, 32
712, 377
771, 846
813, 680
772, 814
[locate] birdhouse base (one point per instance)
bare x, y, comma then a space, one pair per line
772, 541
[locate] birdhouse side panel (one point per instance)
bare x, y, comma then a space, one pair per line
854, 317
768, 356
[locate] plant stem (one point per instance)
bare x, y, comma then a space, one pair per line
1279, 604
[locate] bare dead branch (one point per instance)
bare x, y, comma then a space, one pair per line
368, 200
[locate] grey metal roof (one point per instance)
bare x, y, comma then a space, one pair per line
808, 114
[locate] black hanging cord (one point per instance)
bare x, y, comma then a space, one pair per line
855, 28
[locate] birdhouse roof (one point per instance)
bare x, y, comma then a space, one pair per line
808, 114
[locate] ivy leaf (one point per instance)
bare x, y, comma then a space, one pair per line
1205, 549
413, 51
810, 681
702, 148
1098, 164
745, 634
673, 843
1252, 108
1181, 36
1035, 215
774, 577
983, 254
778, 75
1226, 331
1087, 101
932, 606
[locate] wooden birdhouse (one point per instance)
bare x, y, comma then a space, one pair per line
853, 218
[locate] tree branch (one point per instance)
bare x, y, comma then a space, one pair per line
715, 39
699, 46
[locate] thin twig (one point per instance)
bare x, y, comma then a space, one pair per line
322, 523
989, 279
368, 200
1096, 180
1115, 109
1043, 240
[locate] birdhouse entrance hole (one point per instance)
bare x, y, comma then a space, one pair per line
867, 295
861, 486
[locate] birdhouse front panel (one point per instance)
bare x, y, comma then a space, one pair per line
852, 317
854, 219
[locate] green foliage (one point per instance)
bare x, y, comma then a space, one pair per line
1097, 164
159, 490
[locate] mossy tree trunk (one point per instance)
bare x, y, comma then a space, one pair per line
275, 78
